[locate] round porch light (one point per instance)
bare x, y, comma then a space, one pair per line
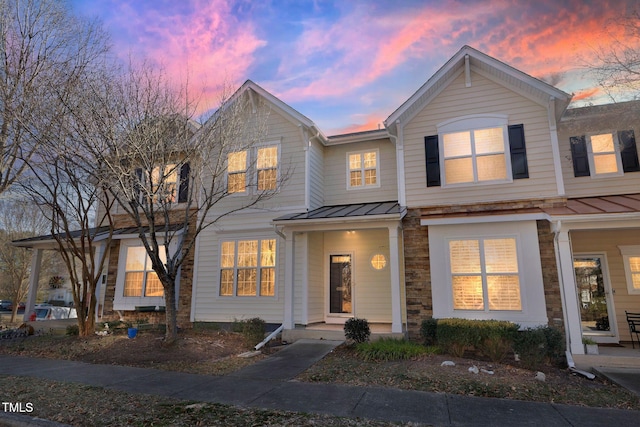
378, 261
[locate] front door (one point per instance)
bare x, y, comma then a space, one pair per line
594, 296
340, 290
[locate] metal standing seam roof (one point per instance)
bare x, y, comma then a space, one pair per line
627, 203
346, 211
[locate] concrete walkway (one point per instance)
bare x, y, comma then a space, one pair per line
267, 384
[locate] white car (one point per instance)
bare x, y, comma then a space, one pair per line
52, 312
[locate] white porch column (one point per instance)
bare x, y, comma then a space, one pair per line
394, 271
569, 293
100, 288
288, 281
34, 278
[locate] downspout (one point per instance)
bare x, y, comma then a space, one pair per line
556, 232
270, 337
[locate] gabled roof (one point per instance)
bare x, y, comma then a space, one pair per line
483, 64
252, 89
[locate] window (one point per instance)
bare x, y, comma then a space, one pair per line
247, 268
485, 274
378, 261
139, 277
604, 154
476, 149
237, 172
363, 169
474, 156
164, 183
266, 169
631, 259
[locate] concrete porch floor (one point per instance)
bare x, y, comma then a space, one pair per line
328, 331
622, 356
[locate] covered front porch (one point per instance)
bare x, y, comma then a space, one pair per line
598, 249
343, 262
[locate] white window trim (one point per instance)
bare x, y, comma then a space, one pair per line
251, 170
483, 269
469, 124
591, 155
120, 302
533, 312
628, 252
363, 186
235, 295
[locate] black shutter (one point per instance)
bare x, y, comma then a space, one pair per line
580, 156
628, 152
183, 190
432, 156
519, 166
137, 185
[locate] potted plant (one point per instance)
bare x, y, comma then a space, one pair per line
590, 346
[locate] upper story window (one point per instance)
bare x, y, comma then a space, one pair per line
266, 162
363, 169
604, 154
476, 149
248, 268
474, 156
168, 183
237, 172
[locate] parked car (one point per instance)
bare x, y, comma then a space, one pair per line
51, 312
6, 305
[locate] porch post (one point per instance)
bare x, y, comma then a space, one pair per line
288, 281
569, 293
34, 278
394, 271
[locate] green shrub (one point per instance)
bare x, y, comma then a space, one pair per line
357, 330
496, 339
387, 349
429, 330
491, 338
252, 329
539, 346
455, 336
73, 330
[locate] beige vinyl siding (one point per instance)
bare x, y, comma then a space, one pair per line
335, 174
585, 186
316, 280
211, 307
292, 164
372, 287
607, 241
316, 175
483, 97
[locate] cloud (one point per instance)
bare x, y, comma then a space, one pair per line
203, 41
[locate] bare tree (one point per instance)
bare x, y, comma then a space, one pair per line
167, 172
18, 220
44, 49
617, 66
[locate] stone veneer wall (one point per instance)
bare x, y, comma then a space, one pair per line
418, 274
186, 285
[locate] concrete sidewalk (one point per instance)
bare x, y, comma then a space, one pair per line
267, 384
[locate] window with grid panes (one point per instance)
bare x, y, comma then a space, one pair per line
140, 279
363, 169
247, 268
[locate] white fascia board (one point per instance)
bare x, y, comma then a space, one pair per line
358, 137
372, 221
485, 219
597, 221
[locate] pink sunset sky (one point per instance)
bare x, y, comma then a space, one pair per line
347, 65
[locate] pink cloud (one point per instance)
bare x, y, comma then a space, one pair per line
201, 41
366, 45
